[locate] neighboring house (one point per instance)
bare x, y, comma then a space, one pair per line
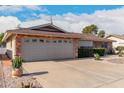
46, 42
119, 40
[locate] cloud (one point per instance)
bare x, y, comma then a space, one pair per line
36, 7
112, 21
9, 22
10, 9
19, 8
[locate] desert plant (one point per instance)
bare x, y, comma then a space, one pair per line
17, 62
17, 67
97, 56
26, 85
120, 50
120, 54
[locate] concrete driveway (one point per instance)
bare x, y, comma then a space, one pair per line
77, 73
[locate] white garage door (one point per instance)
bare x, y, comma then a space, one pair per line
86, 43
34, 49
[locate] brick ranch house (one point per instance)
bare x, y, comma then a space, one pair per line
47, 42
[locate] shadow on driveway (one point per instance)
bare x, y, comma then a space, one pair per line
35, 73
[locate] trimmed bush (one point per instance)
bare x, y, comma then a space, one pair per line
85, 52
89, 52
100, 51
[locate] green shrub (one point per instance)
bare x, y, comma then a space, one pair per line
97, 56
89, 52
100, 51
17, 62
85, 52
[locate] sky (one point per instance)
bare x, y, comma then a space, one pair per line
72, 18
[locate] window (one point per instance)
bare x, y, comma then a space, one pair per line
104, 45
54, 41
41, 40
47, 41
26, 40
65, 41
34, 40
69, 41
59, 41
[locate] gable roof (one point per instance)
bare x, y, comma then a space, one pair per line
117, 36
46, 25
65, 34
41, 33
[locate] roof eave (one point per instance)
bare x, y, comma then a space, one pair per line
6, 36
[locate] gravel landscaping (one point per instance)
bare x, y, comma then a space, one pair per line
1, 78
10, 82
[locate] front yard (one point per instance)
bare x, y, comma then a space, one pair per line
80, 73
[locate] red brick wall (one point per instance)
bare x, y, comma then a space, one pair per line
76, 46
18, 45
97, 44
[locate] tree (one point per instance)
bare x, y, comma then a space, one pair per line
1, 37
91, 29
101, 34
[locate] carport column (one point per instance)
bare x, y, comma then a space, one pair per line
76, 45
18, 45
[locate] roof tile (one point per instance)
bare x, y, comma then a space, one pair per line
88, 37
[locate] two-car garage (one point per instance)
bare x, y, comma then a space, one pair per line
46, 49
